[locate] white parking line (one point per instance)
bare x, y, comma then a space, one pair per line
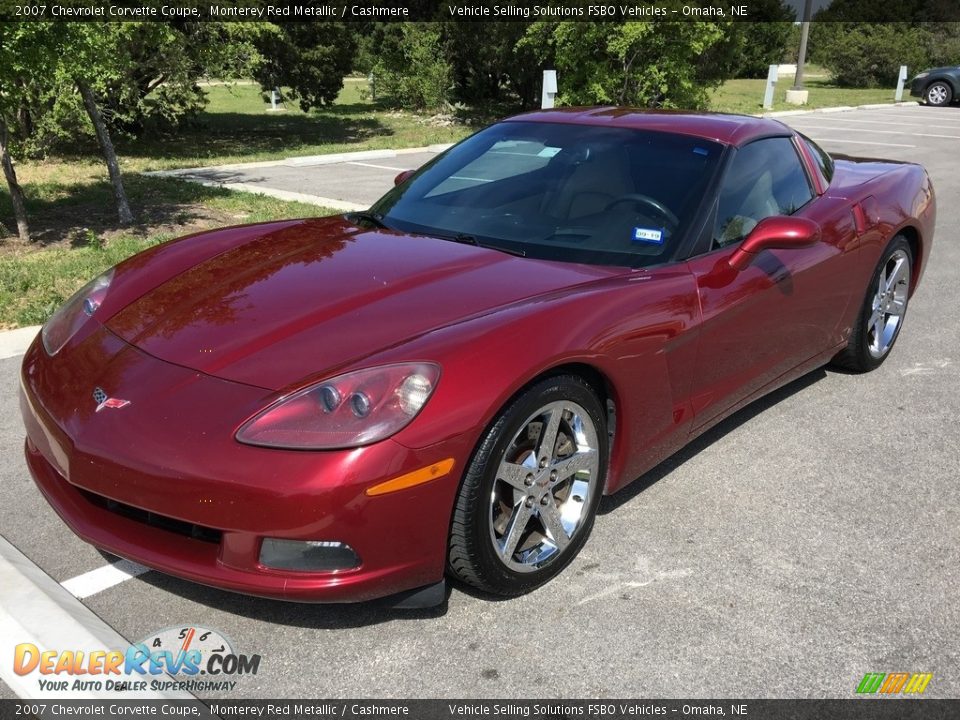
863, 142
889, 122
90, 583
380, 167
886, 132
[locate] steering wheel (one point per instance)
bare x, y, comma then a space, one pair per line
660, 208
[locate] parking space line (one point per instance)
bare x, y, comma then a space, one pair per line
90, 583
890, 122
885, 132
863, 142
381, 167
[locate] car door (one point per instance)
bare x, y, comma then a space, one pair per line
759, 323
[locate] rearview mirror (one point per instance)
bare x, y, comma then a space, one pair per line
402, 177
779, 232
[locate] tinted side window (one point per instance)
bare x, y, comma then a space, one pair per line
765, 178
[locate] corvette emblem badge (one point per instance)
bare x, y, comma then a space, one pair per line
107, 402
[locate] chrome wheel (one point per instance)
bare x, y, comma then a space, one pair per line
544, 485
938, 94
889, 304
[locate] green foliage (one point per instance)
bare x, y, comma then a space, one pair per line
491, 65
748, 49
634, 63
860, 44
411, 70
869, 54
144, 75
310, 59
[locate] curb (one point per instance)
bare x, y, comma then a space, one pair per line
837, 108
15, 342
35, 609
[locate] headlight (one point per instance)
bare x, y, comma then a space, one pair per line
921, 76
65, 322
357, 408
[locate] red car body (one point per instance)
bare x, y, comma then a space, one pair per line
200, 334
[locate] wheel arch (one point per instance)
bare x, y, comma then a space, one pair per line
912, 235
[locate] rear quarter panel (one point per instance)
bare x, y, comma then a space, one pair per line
896, 198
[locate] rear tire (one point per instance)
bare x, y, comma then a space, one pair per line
883, 311
529, 496
938, 94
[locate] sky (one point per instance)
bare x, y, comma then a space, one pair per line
798, 5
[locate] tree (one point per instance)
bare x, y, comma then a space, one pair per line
491, 65
309, 58
749, 48
25, 55
632, 63
86, 59
411, 70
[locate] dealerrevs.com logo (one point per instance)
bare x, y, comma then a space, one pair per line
894, 683
185, 653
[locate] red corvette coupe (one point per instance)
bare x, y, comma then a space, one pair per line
351, 407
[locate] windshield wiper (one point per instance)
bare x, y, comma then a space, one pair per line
472, 240
370, 217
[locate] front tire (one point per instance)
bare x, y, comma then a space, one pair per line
883, 312
530, 494
938, 94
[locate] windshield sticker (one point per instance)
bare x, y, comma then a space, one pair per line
701, 151
548, 152
648, 235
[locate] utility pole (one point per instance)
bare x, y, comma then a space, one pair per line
797, 95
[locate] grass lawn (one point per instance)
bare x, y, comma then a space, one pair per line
70, 204
746, 96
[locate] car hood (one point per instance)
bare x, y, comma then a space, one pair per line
297, 302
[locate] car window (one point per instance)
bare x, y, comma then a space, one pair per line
820, 157
765, 178
578, 193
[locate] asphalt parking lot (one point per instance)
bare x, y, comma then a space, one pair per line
809, 539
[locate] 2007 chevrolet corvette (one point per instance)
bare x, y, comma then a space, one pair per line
351, 407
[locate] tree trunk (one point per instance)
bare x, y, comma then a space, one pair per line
16, 193
109, 154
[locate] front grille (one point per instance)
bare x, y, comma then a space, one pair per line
197, 532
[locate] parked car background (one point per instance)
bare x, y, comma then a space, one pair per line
937, 86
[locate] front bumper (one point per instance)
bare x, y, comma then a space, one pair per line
162, 482
918, 86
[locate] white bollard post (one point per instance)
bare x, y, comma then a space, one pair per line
549, 89
273, 99
900, 81
771, 84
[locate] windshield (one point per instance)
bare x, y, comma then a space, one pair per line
579, 193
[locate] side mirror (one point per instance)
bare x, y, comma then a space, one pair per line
775, 233
402, 177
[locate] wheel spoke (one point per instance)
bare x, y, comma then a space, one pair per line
550, 514
897, 275
518, 523
878, 329
875, 318
583, 460
514, 475
897, 307
548, 436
